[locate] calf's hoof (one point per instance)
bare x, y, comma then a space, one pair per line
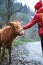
10, 62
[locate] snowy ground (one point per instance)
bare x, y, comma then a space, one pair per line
26, 54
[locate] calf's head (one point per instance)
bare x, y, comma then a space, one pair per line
16, 26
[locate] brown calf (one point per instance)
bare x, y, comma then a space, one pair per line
8, 34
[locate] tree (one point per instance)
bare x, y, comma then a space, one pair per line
8, 7
12, 7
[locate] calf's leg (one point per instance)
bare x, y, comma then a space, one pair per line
0, 49
3, 51
10, 48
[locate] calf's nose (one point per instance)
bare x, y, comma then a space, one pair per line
22, 32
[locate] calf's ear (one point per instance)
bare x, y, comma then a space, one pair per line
11, 24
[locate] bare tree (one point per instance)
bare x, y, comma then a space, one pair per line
11, 9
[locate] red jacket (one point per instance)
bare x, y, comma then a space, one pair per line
37, 19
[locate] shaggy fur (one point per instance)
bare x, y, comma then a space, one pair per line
7, 35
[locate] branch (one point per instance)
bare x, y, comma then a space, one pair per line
10, 14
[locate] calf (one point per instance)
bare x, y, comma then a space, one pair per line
8, 34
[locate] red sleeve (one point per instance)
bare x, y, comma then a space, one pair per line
31, 23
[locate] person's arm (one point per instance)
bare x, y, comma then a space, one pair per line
31, 23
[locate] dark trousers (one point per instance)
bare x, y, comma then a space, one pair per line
42, 42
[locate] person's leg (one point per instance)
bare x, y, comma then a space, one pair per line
42, 43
